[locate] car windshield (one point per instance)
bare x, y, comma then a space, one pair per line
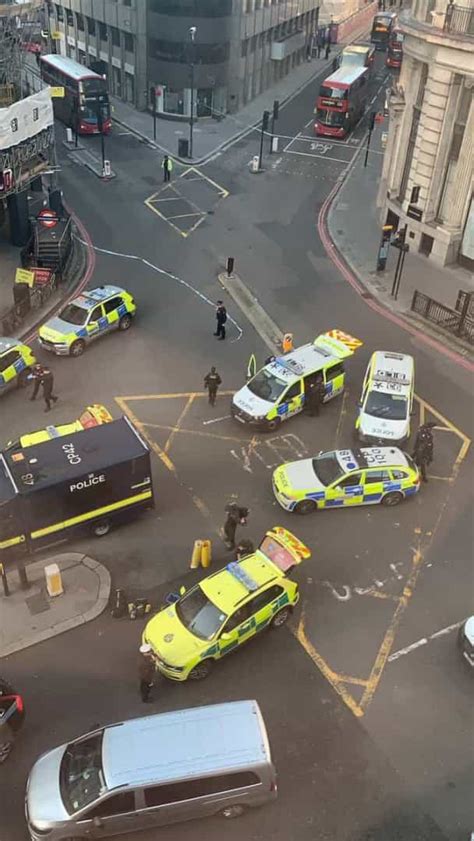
327, 468
327, 91
81, 777
73, 314
330, 118
382, 405
267, 386
199, 615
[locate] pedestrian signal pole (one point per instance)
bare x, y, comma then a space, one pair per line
384, 247
373, 115
276, 106
153, 106
265, 119
403, 248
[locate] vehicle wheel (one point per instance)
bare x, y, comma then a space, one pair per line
125, 322
306, 506
392, 499
101, 528
6, 688
272, 424
23, 378
200, 671
6, 743
234, 811
281, 618
77, 348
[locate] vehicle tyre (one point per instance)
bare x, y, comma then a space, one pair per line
6, 688
6, 743
101, 528
125, 322
77, 348
23, 378
233, 811
392, 499
200, 671
281, 618
272, 425
306, 506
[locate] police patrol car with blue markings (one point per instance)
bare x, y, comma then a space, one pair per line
340, 478
278, 391
387, 399
16, 362
87, 317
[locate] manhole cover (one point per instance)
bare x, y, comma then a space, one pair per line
37, 603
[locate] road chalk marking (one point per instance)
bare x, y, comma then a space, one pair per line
424, 641
216, 420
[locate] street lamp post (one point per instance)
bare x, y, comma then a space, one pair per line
192, 35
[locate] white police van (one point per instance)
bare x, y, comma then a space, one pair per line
386, 401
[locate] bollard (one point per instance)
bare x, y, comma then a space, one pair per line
54, 584
287, 343
69, 135
6, 589
197, 553
206, 554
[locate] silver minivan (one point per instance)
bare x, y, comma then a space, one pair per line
152, 771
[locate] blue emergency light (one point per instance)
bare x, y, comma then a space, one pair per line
237, 572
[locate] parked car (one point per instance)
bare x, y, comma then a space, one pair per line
12, 714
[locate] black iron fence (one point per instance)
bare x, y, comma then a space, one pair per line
459, 19
458, 322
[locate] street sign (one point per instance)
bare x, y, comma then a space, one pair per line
47, 218
57, 93
25, 276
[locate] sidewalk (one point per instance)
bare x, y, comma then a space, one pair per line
355, 229
209, 135
31, 616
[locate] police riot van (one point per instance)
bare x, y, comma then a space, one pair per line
279, 389
386, 401
90, 478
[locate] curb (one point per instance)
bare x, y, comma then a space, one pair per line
247, 302
435, 339
68, 624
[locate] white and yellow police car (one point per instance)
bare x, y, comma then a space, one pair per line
16, 362
277, 391
93, 314
387, 399
340, 478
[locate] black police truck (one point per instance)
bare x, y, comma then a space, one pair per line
89, 478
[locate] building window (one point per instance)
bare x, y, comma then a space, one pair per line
69, 18
59, 13
128, 42
413, 132
190, 8
115, 36
103, 32
176, 51
80, 22
91, 26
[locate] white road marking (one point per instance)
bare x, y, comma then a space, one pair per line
216, 420
402, 651
311, 155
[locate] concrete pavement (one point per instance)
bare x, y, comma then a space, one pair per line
31, 616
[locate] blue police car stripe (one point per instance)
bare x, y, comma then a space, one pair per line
372, 497
122, 310
282, 410
19, 365
331, 502
103, 323
316, 495
82, 333
410, 491
392, 486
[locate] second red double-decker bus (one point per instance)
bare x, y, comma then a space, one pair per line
341, 102
85, 104
395, 49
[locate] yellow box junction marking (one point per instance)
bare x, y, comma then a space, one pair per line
158, 197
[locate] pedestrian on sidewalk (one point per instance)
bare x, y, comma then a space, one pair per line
212, 381
221, 317
146, 672
167, 168
328, 47
236, 515
320, 42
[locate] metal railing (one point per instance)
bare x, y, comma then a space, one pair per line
457, 322
13, 318
459, 19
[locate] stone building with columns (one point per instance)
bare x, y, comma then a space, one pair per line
427, 179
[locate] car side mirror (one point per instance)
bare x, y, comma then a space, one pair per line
98, 822
182, 590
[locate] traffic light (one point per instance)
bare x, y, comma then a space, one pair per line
265, 119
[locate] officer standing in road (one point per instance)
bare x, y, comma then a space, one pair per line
221, 317
212, 382
146, 672
314, 396
44, 376
423, 448
167, 168
36, 375
236, 515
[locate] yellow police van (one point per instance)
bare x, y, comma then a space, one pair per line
278, 390
86, 318
340, 478
386, 401
91, 416
227, 608
16, 361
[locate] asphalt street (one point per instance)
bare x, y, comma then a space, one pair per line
366, 747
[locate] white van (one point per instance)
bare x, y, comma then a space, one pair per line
387, 399
152, 771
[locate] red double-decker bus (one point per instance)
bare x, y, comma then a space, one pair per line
85, 104
395, 49
342, 101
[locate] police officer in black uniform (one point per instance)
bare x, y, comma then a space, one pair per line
212, 382
423, 448
314, 396
236, 515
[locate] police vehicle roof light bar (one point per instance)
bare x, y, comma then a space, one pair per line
242, 577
